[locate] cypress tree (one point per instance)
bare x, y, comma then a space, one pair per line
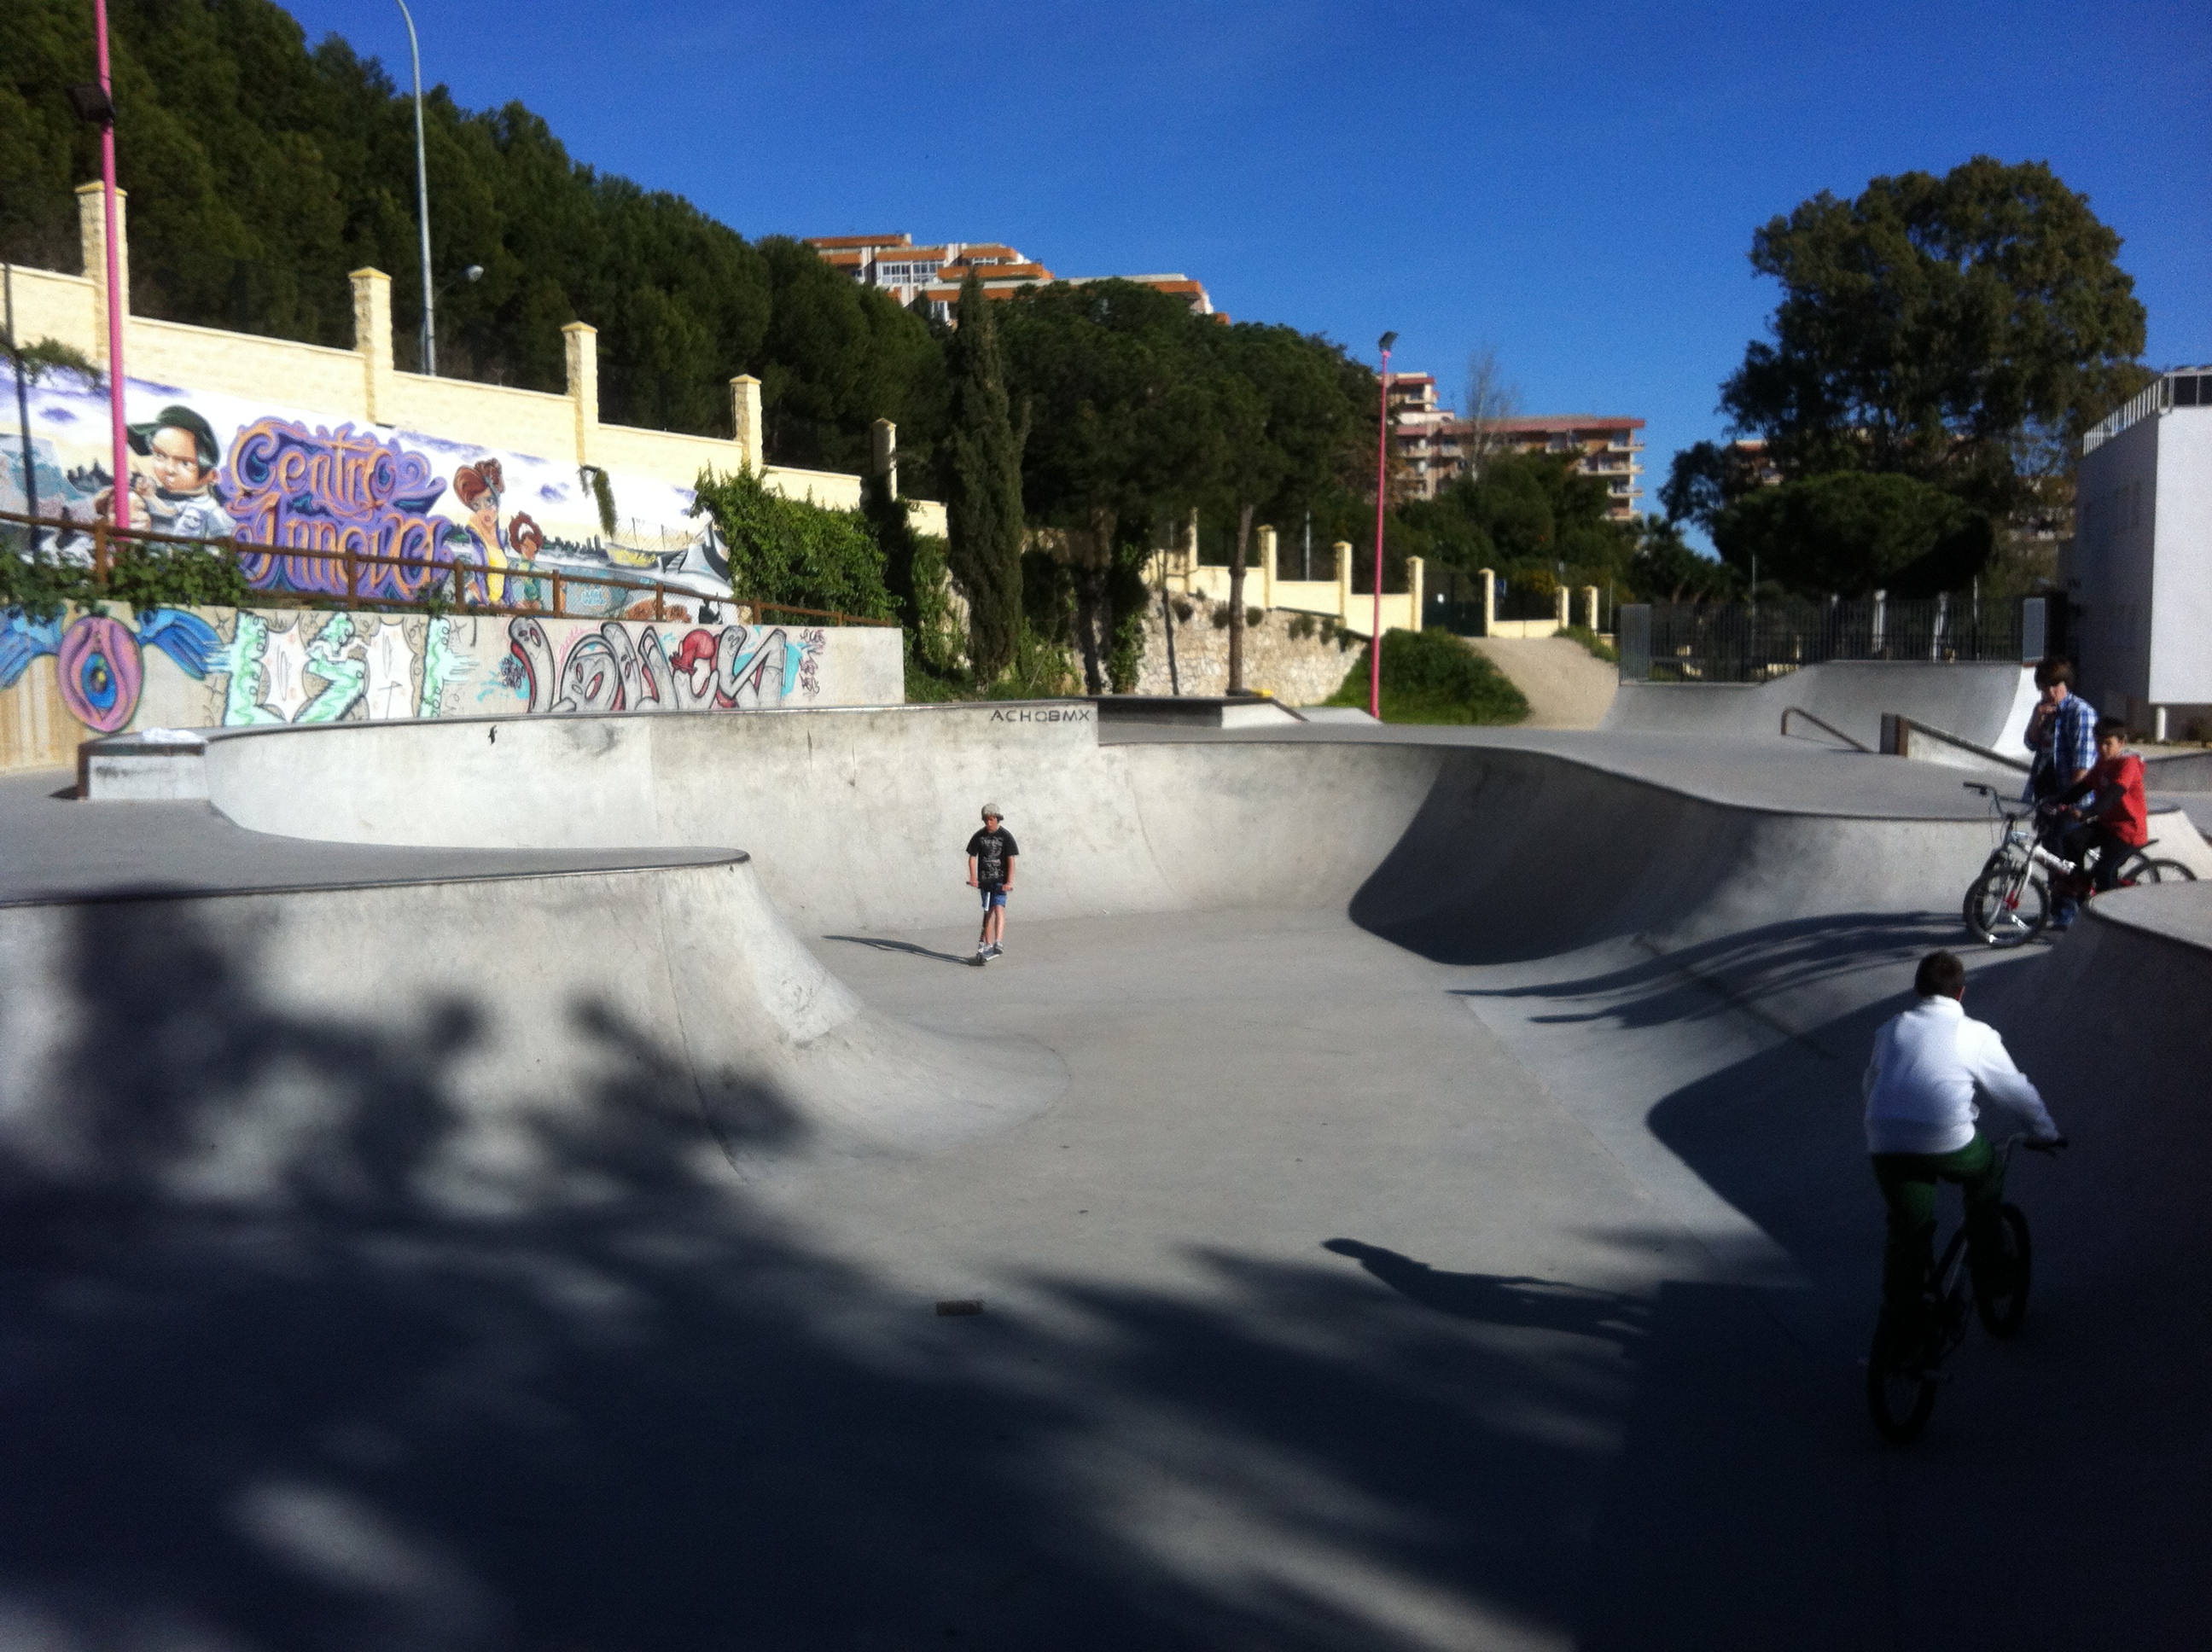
983, 495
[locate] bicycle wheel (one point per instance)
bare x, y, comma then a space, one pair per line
2140, 870
2002, 1312
1901, 1383
1998, 915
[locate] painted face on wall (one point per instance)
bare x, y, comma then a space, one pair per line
172, 457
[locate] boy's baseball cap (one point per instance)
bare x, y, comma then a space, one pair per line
993, 811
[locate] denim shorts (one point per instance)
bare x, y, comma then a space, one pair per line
992, 898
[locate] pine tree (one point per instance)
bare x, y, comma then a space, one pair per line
983, 493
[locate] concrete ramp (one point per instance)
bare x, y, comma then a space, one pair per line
680, 986
1987, 704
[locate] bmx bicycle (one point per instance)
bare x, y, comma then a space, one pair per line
2010, 899
1905, 1366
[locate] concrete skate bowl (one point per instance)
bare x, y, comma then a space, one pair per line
1465, 852
370, 1154
1987, 704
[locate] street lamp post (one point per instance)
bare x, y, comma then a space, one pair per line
422, 201
1382, 500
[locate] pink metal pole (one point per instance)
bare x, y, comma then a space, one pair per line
1381, 497
119, 506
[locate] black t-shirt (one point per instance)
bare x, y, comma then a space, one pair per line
991, 851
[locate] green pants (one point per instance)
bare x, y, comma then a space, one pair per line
1908, 1185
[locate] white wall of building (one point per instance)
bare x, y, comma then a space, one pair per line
2140, 568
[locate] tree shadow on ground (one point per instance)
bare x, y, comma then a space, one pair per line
1801, 959
309, 1349
1748, 1454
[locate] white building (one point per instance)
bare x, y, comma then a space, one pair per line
2139, 571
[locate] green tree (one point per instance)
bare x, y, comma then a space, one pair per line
1665, 569
1289, 429
1962, 329
262, 172
982, 470
1533, 518
1849, 533
1705, 478
790, 550
1120, 431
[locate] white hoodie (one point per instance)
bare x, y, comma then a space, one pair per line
1920, 1085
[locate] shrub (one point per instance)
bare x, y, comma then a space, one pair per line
1221, 617
1183, 611
1255, 616
1302, 627
1598, 645
1434, 676
145, 577
788, 550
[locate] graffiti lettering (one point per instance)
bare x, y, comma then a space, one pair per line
625, 667
342, 490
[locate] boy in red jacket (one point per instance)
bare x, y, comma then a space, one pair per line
2114, 820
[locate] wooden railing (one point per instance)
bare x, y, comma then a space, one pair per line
449, 573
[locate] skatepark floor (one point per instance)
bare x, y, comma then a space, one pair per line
1335, 1298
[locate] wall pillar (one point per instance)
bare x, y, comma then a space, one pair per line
745, 421
1590, 607
1267, 567
883, 452
372, 341
92, 239
580, 348
1489, 579
1561, 615
1342, 550
1415, 595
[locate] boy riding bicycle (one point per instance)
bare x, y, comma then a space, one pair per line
1928, 1066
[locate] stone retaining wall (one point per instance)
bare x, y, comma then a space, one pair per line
1297, 670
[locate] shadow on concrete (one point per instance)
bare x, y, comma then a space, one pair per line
1748, 1453
882, 943
1801, 962
1494, 1299
306, 1349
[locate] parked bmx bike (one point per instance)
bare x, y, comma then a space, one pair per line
1905, 1366
2011, 897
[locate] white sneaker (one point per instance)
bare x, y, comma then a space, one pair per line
997, 950
982, 954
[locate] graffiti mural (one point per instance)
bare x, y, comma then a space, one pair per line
256, 667
210, 465
100, 663
631, 668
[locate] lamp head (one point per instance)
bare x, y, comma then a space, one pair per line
1386, 341
474, 272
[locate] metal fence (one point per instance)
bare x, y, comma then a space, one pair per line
1514, 602
1751, 642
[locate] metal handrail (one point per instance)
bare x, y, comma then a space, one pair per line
102, 534
1915, 726
1821, 723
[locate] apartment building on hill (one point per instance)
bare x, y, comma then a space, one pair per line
1434, 445
896, 266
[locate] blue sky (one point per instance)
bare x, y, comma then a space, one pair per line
1577, 185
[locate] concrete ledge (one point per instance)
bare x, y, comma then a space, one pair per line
154, 765
1194, 711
